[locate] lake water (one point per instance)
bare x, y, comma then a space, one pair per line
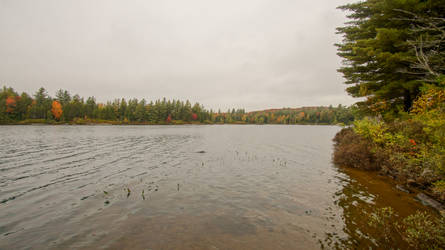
183, 187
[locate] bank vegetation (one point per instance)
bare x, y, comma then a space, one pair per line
394, 59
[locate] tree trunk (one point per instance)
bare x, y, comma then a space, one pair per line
407, 101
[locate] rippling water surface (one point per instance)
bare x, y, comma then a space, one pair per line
179, 187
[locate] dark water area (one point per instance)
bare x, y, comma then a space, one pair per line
184, 187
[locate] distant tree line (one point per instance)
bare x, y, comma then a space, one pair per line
304, 115
18, 108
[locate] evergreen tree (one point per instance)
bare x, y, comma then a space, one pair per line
377, 52
41, 106
140, 111
91, 107
63, 96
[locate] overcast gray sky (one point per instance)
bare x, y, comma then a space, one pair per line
251, 54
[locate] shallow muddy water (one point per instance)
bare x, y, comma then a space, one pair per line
183, 187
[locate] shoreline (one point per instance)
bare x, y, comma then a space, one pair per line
122, 123
420, 195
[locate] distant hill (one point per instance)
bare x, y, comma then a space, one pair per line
301, 115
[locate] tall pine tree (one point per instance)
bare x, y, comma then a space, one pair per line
378, 53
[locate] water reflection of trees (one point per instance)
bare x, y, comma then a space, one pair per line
361, 194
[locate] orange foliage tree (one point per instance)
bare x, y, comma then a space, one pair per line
56, 110
10, 104
301, 115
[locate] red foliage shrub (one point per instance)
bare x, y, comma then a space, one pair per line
411, 129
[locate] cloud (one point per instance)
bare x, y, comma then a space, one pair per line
251, 54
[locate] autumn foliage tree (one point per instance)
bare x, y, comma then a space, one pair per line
10, 104
56, 110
